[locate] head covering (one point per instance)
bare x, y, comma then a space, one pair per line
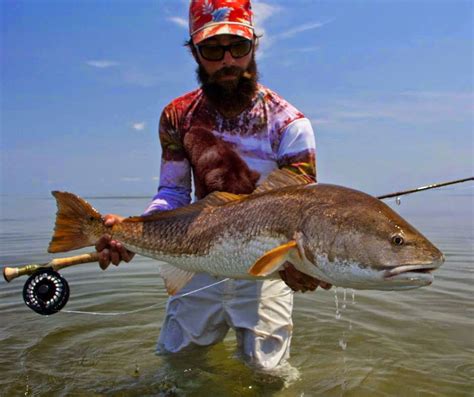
209, 18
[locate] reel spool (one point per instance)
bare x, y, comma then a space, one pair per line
46, 292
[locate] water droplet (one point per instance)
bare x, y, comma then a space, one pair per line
137, 370
342, 344
336, 301
398, 200
27, 389
353, 297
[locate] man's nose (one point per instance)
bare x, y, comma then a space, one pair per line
228, 58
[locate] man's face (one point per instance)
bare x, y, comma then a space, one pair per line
229, 83
227, 63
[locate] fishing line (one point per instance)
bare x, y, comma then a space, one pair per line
143, 308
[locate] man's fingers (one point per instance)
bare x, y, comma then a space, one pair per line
125, 254
115, 257
109, 220
299, 281
325, 285
102, 243
112, 219
283, 275
104, 259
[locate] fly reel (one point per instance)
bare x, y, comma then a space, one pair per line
46, 292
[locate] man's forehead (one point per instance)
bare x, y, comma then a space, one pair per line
222, 39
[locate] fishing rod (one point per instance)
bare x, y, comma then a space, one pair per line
46, 292
421, 188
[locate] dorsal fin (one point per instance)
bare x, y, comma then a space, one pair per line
214, 199
282, 178
277, 179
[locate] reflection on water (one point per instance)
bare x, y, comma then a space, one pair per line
413, 343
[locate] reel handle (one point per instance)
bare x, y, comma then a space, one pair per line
10, 273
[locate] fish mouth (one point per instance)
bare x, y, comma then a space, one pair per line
419, 269
414, 273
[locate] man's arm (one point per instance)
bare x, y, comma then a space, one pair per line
174, 188
175, 174
297, 149
297, 152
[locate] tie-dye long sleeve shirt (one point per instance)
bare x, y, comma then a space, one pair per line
228, 154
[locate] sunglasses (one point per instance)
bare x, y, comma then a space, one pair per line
213, 52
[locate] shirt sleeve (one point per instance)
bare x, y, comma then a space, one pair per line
297, 149
175, 175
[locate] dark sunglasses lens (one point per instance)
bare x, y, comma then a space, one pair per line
216, 52
212, 52
240, 49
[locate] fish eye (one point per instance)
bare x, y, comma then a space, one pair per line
398, 240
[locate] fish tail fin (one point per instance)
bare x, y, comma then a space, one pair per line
78, 224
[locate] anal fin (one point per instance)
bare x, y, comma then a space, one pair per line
174, 278
272, 260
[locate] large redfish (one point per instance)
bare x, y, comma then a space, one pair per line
339, 235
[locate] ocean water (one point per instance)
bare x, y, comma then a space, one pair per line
345, 343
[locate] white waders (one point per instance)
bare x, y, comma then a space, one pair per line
258, 311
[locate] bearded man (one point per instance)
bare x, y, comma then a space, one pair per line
228, 135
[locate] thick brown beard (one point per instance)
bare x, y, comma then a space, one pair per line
233, 96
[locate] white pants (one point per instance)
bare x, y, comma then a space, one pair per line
258, 311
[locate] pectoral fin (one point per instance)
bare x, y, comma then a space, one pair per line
272, 260
174, 278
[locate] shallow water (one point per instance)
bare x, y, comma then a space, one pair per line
413, 343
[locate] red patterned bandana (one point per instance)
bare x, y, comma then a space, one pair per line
209, 18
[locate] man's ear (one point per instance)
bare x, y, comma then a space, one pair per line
256, 40
194, 53
192, 49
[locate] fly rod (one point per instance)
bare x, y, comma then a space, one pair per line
10, 273
427, 187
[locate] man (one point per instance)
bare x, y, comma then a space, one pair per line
229, 135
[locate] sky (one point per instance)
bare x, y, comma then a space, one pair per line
387, 85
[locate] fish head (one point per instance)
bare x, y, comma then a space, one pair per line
354, 240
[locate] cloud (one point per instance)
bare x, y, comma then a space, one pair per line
300, 29
435, 95
262, 12
414, 107
304, 49
289, 61
139, 126
141, 78
320, 121
181, 22
101, 64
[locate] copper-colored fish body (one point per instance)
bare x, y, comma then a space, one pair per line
339, 235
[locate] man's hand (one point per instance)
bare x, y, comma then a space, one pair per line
298, 281
111, 250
